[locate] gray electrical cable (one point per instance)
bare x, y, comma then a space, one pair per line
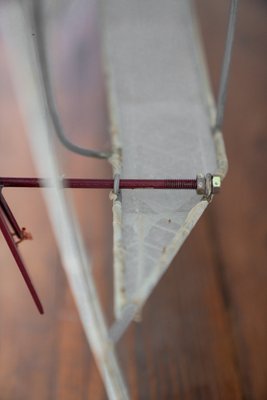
226, 65
38, 22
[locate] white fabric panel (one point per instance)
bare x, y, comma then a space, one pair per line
28, 83
162, 120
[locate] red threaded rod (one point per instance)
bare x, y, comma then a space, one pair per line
102, 183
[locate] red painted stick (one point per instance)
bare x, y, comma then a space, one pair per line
10, 217
103, 183
13, 248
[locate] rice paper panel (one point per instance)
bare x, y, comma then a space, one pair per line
161, 129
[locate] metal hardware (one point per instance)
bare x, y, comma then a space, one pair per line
216, 184
203, 185
208, 185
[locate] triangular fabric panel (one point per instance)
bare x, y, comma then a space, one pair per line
161, 128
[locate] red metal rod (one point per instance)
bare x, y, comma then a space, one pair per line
13, 248
10, 217
102, 183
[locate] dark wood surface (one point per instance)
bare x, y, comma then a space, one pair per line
204, 329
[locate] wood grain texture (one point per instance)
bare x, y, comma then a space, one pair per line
204, 329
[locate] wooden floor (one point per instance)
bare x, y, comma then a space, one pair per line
204, 329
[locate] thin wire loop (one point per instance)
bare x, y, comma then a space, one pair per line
221, 100
38, 21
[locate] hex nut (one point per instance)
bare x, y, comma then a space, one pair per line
216, 184
201, 184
